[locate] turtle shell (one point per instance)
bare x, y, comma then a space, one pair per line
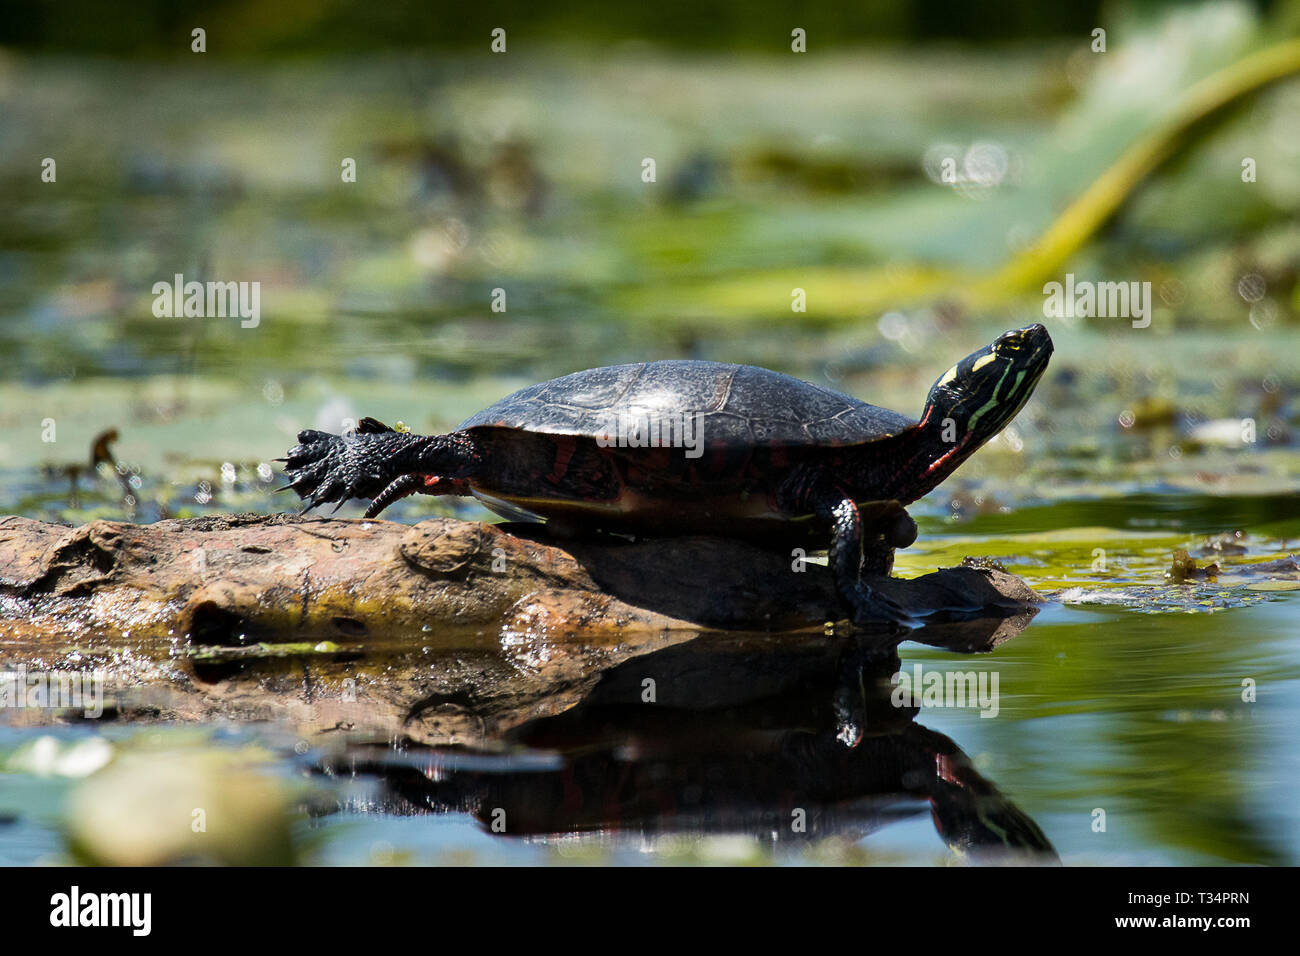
738, 405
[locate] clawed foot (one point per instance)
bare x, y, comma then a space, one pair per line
324, 468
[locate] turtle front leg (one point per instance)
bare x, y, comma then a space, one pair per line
377, 462
853, 558
847, 556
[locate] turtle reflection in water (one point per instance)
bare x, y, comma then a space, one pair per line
785, 740
774, 458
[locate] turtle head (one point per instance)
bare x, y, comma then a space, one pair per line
977, 397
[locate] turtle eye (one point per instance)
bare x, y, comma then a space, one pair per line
1012, 341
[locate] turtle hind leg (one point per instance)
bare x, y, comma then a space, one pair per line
397, 488
368, 463
410, 484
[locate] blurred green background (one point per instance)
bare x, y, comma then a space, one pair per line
333, 26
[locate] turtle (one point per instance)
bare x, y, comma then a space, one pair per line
688, 447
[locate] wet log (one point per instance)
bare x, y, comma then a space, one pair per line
444, 629
244, 579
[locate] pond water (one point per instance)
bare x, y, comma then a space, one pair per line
1114, 708
1138, 720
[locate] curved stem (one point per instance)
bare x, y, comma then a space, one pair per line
1107, 193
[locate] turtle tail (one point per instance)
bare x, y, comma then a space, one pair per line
324, 468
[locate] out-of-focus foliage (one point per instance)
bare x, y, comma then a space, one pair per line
253, 27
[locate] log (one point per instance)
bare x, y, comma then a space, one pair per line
444, 630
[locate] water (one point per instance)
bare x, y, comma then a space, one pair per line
1099, 708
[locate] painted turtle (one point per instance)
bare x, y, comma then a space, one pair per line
692, 447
